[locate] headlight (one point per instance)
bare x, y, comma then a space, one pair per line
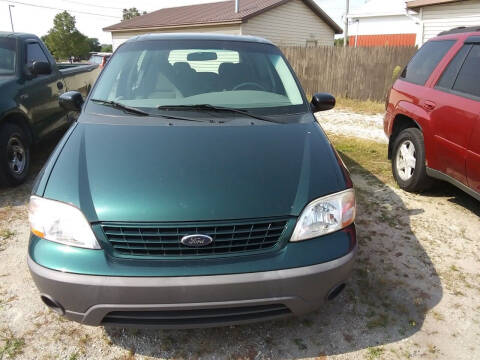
325, 215
60, 222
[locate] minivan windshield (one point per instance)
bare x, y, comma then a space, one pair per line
152, 75
8, 54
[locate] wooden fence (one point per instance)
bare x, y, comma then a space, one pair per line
355, 73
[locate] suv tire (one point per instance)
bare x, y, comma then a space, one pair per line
408, 161
14, 155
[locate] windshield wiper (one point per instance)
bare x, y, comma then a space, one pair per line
137, 111
210, 107
120, 106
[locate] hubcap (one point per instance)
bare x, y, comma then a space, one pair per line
16, 155
406, 160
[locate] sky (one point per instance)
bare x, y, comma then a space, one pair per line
92, 16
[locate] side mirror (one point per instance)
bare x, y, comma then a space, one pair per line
322, 102
40, 68
71, 101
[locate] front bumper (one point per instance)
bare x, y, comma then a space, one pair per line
194, 301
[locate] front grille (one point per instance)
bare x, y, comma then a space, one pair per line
165, 240
197, 317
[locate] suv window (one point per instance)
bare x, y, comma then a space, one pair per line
450, 74
468, 80
35, 53
425, 61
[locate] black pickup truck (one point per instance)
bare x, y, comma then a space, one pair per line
30, 85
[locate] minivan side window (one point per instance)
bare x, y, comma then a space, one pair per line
35, 53
425, 61
468, 80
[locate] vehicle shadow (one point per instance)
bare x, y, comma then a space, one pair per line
455, 196
393, 286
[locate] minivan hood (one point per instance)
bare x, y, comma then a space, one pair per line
157, 173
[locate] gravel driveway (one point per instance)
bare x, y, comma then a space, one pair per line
343, 122
414, 293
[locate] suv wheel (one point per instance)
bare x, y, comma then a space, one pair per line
14, 155
408, 164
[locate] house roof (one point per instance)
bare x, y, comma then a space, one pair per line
374, 8
200, 36
416, 4
211, 13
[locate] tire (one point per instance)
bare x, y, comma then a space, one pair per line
408, 161
14, 155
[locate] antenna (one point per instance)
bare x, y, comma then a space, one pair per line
11, 20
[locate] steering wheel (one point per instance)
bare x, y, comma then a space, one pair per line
251, 83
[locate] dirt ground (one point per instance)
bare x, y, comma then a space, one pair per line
414, 293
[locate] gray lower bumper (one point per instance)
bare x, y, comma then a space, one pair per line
186, 302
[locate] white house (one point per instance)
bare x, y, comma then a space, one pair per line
284, 22
383, 23
440, 15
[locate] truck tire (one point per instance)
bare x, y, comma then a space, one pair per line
14, 155
408, 161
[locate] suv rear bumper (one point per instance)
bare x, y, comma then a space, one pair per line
190, 302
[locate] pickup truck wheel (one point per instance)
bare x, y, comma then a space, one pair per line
14, 155
408, 163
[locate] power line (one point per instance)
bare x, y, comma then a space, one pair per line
55, 8
93, 5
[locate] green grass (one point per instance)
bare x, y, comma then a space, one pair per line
10, 346
300, 344
6, 234
359, 106
380, 321
364, 156
374, 353
74, 356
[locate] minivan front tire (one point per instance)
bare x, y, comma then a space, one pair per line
14, 155
408, 163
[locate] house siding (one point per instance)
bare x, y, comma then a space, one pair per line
290, 24
382, 25
119, 37
438, 18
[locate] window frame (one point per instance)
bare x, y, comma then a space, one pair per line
33, 42
303, 108
451, 90
452, 41
16, 58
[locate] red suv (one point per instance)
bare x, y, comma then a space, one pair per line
433, 114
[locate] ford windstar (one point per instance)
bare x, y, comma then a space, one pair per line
194, 189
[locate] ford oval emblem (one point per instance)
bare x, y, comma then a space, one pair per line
197, 240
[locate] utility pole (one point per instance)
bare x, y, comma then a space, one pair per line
345, 40
10, 11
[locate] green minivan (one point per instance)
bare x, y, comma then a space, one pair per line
194, 189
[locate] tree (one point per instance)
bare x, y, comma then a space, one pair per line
131, 13
106, 48
339, 42
93, 45
64, 40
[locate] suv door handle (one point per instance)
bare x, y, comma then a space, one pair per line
429, 105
